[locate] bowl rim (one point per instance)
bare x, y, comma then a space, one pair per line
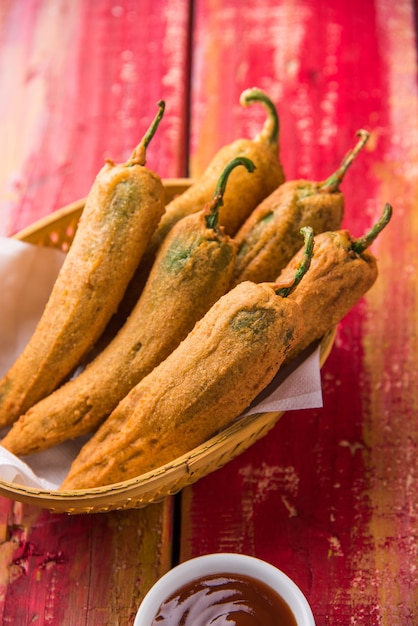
225, 563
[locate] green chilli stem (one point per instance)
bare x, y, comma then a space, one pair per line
270, 131
217, 201
333, 182
304, 265
138, 156
360, 245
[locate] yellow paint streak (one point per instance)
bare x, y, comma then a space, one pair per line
391, 348
141, 553
208, 127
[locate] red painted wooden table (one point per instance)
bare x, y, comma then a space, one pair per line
330, 495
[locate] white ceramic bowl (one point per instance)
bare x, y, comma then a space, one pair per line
225, 563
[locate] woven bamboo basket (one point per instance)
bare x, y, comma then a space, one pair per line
57, 231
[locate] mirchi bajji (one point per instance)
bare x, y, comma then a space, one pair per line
342, 271
269, 237
122, 210
230, 356
191, 272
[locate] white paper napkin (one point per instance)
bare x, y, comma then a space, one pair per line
295, 387
27, 274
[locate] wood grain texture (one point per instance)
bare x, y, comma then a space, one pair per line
330, 495
84, 569
82, 81
79, 83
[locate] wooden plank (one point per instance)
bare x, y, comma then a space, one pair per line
82, 81
90, 569
330, 495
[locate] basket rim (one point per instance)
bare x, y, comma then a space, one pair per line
139, 487
173, 185
142, 484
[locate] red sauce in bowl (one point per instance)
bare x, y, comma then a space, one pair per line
225, 600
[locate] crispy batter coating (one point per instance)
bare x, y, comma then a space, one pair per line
192, 271
211, 377
270, 236
122, 211
243, 194
336, 280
